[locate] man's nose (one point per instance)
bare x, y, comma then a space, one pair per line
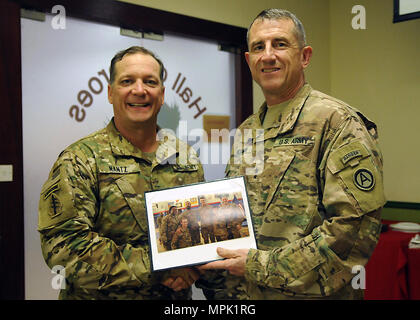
138, 88
268, 53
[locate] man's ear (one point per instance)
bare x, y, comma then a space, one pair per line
247, 57
162, 99
163, 95
306, 56
109, 93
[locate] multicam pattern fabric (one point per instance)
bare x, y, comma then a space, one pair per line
181, 239
92, 216
207, 223
234, 218
315, 193
193, 218
220, 225
170, 224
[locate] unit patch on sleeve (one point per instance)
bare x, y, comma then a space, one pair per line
351, 155
364, 179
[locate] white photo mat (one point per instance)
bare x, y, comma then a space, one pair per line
202, 253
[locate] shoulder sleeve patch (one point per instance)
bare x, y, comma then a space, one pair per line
55, 204
350, 154
353, 165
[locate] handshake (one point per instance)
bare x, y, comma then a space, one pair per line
183, 278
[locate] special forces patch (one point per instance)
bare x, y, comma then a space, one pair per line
364, 179
54, 203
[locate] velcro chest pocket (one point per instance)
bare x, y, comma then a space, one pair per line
122, 186
354, 166
185, 174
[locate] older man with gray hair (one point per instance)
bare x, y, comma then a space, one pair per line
317, 202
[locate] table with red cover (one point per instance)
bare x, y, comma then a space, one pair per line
393, 270
414, 274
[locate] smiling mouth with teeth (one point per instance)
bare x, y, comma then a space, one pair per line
268, 70
138, 104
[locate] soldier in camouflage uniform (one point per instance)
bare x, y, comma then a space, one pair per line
220, 224
182, 236
234, 218
170, 224
193, 226
316, 191
92, 217
159, 221
207, 221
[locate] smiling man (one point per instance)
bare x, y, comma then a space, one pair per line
317, 201
92, 216
277, 57
137, 94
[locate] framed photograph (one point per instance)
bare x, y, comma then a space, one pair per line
187, 223
406, 10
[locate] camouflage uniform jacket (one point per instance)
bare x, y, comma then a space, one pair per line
315, 193
170, 224
92, 217
181, 239
159, 221
220, 223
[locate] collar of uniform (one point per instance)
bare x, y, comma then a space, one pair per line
122, 147
288, 116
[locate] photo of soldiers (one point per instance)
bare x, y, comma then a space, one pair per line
182, 236
197, 222
207, 218
193, 226
169, 226
206, 221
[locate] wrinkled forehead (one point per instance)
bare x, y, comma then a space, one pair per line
265, 27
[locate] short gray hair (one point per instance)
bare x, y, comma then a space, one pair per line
277, 14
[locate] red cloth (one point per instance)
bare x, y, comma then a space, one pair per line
386, 271
414, 273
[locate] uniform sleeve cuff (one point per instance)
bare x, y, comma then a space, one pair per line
255, 267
